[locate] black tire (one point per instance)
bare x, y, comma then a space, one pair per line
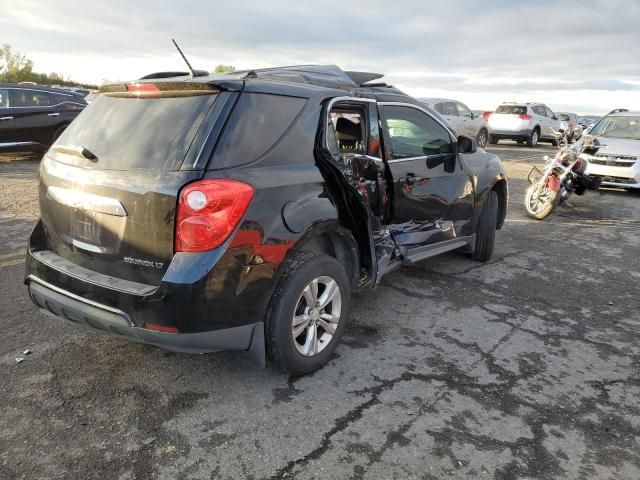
482, 138
58, 133
519, 141
554, 143
486, 231
570, 139
493, 140
299, 272
532, 140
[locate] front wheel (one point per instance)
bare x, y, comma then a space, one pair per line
486, 231
540, 200
482, 138
308, 313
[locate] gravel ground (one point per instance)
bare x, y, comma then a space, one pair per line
525, 367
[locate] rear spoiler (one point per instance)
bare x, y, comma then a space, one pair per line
158, 89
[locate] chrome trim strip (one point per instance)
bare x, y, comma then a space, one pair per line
16, 144
73, 296
86, 201
88, 247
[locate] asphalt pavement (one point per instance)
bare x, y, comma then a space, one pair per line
526, 367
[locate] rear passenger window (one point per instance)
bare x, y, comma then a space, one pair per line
257, 123
4, 98
449, 108
31, 98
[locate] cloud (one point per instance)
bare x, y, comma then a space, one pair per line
459, 47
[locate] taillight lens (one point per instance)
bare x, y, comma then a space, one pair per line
208, 212
143, 88
524, 116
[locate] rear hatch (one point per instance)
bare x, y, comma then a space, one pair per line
109, 185
509, 117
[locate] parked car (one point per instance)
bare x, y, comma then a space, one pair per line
239, 211
569, 123
461, 118
617, 162
32, 116
523, 122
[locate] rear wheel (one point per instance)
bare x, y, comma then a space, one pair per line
486, 231
308, 313
58, 133
482, 138
540, 200
532, 140
493, 140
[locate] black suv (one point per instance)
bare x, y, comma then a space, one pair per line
33, 116
239, 211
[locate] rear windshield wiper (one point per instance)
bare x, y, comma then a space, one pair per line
76, 150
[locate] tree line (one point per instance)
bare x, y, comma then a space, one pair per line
15, 67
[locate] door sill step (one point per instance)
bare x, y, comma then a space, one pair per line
412, 255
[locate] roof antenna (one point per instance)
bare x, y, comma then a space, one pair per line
193, 73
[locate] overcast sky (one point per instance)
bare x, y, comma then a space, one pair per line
582, 55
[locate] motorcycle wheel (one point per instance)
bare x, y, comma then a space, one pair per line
540, 200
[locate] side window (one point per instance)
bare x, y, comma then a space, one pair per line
413, 133
438, 108
257, 123
350, 128
463, 110
4, 98
548, 112
538, 110
31, 98
449, 108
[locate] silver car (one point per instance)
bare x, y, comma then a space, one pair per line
523, 122
617, 161
569, 123
460, 118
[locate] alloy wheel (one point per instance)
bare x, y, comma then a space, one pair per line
316, 316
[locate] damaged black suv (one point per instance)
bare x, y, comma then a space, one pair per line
239, 211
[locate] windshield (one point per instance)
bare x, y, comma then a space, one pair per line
134, 133
618, 127
512, 109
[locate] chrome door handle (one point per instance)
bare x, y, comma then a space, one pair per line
53, 114
6, 118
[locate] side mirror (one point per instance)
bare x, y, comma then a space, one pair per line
473, 116
555, 117
467, 144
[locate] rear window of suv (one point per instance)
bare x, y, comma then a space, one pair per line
512, 109
136, 133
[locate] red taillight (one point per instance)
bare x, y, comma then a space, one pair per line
208, 212
485, 115
524, 116
160, 328
142, 88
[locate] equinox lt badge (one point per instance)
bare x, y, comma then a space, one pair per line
144, 263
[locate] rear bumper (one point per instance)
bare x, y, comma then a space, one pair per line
511, 134
64, 305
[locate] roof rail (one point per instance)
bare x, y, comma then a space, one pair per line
618, 110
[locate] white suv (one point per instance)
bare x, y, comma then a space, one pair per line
460, 118
523, 122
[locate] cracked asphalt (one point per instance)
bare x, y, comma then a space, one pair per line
526, 367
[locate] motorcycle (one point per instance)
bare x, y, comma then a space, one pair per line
563, 175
